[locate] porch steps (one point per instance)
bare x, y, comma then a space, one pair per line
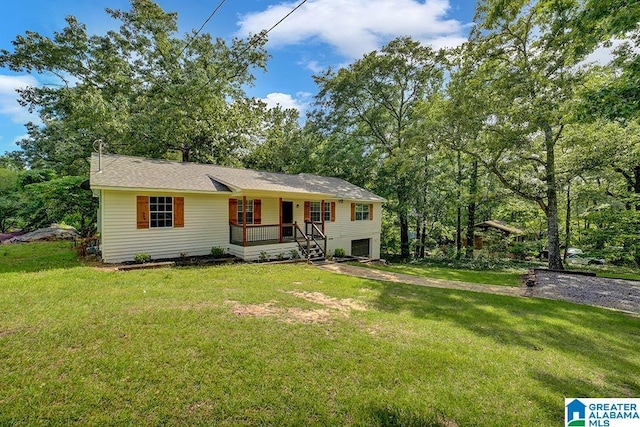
315, 252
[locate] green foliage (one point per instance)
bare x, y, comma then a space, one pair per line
263, 257
525, 250
142, 257
217, 252
496, 244
368, 114
35, 176
615, 234
294, 254
142, 90
59, 200
10, 200
339, 252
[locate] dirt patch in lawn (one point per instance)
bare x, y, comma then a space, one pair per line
343, 305
331, 309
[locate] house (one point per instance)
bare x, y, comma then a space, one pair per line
499, 226
169, 209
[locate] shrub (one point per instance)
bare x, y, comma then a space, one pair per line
217, 252
339, 252
264, 256
294, 254
142, 257
524, 250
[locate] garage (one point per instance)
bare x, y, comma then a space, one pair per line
361, 247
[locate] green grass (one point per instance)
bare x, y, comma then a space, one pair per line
37, 256
504, 277
260, 344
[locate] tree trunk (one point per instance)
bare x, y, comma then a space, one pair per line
471, 210
555, 260
459, 213
416, 252
185, 149
404, 234
636, 184
423, 237
567, 224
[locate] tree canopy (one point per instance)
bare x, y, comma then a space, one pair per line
512, 125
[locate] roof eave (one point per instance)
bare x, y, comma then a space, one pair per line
156, 190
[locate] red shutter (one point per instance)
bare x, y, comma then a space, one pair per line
333, 211
307, 211
257, 211
233, 211
142, 212
178, 211
371, 212
353, 211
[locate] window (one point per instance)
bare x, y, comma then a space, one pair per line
314, 212
327, 212
160, 211
362, 212
249, 211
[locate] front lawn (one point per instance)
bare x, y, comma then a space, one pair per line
259, 344
511, 276
37, 256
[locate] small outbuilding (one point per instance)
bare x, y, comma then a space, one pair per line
499, 226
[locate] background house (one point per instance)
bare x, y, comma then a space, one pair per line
167, 209
499, 226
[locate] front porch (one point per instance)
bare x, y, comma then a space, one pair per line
252, 235
252, 241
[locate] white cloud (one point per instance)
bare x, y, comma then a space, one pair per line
313, 66
285, 100
8, 98
355, 27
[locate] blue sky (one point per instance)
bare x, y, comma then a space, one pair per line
321, 33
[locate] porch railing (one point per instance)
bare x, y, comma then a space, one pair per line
260, 234
309, 240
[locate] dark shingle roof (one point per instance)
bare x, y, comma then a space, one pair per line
116, 171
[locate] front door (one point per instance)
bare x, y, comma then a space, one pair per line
287, 219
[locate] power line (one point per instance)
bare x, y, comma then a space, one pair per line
203, 25
259, 37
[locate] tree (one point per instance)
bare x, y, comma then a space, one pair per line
59, 200
525, 56
140, 89
10, 201
369, 109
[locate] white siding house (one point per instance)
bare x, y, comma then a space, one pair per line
172, 209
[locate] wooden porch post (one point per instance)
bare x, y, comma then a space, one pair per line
280, 215
322, 214
244, 221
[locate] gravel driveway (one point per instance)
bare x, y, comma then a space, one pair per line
599, 291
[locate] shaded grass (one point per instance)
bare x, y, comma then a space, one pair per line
29, 257
506, 277
87, 347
